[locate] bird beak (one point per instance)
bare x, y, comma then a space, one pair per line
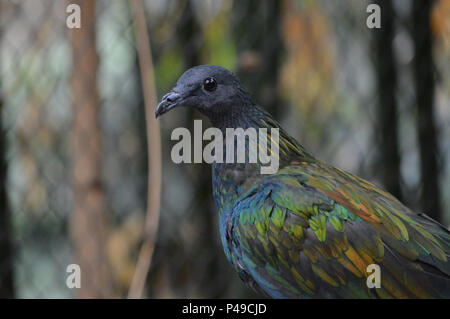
168, 102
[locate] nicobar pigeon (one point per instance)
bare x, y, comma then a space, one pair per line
310, 230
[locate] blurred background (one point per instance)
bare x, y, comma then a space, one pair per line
73, 145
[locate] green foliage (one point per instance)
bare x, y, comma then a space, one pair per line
219, 49
168, 70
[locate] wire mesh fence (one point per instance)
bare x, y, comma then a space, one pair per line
74, 171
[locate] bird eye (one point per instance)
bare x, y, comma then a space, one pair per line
209, 84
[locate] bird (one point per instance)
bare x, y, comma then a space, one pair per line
309, 230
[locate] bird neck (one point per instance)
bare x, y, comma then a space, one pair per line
252, 116
231, 179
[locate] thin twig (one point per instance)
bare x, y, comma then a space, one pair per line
153, 150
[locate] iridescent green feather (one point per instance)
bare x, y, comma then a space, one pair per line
328, 237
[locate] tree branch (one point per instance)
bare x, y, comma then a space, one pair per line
153, 149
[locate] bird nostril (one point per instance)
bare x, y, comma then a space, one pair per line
172, 97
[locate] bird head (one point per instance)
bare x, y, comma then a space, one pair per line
211, 89
218, 94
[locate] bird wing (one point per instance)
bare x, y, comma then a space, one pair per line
312, 230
